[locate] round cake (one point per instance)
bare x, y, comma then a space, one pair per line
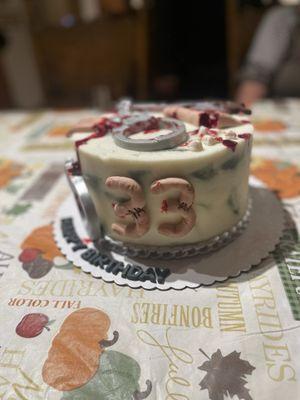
175, 175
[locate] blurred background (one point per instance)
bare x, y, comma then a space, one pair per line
82, 53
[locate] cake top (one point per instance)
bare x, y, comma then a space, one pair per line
175, 132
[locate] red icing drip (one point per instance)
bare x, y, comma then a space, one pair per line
245, 136
100, 130
85, 140
230, 144
164, 206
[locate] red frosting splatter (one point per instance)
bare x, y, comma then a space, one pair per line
100, 130
204, 120
208, 120
164, 206
230, 144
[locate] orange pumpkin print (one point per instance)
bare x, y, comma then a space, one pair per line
269, 125
38, 252
42, 239
281, 177
59, 131
8, 171
74, 356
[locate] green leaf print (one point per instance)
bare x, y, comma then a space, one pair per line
18, 209
13, 188
116, 379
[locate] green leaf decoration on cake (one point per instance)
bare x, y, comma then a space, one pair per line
231, 163
205, 173
138, 175
233, 203
117, 378
113, 197
94, 181
203, 205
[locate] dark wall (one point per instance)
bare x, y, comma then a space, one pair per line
188, 41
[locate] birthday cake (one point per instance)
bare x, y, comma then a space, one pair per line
162, 176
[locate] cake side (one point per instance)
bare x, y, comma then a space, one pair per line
182, 195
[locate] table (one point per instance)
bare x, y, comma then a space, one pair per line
235, 340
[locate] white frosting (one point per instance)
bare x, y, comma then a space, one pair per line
219, 177
229, 135
209, 140
196, 145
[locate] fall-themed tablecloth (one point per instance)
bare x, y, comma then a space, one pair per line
65, 335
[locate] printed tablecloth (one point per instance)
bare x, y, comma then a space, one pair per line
65, 335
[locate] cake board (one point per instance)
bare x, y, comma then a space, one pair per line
258, 240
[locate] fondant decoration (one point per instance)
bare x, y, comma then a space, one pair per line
182, 205
83, 200
142, 122
261, 233
196, 145
134, 207
209, 168
207, 118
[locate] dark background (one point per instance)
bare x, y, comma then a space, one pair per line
50, 55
